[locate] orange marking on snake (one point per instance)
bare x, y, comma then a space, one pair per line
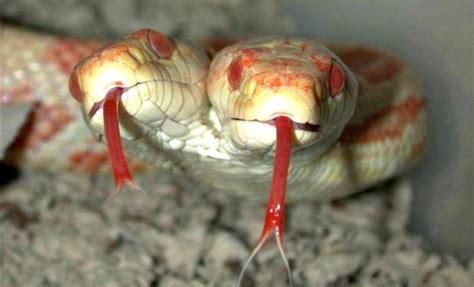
277, 80
248, 62
217, 44
140, 34
16, 95
417, 150
375, 128
374, 66
66, 52
88, 161
323, 63
249, 56
113, 53
304, 46
45, 122
386, 71
109, 53
357, 59
49, 121
285, 63
93, 161
249, 53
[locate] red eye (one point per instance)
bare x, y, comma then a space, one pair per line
336, 79
74, 88
234, 73
161, 44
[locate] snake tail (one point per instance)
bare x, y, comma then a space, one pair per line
275, 211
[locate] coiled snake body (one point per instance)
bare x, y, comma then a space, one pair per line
357, 114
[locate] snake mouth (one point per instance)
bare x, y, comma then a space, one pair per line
100, 104
307, 127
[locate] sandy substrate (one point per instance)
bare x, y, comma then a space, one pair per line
62, 231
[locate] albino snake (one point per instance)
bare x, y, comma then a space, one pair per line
352, 117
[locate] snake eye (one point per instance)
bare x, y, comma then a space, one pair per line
161, 44
74, 88
336, 79
234, 73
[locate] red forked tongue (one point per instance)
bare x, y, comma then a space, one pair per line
275, 212
122, 174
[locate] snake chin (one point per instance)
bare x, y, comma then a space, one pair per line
260, 136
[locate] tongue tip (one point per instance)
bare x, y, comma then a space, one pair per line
125, 183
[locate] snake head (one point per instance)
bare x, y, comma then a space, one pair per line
149, 68
252, 83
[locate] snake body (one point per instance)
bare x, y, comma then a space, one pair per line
358, 113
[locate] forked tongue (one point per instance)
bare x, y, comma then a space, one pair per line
122, 174
275, 212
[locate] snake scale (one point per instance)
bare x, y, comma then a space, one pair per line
353, 116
